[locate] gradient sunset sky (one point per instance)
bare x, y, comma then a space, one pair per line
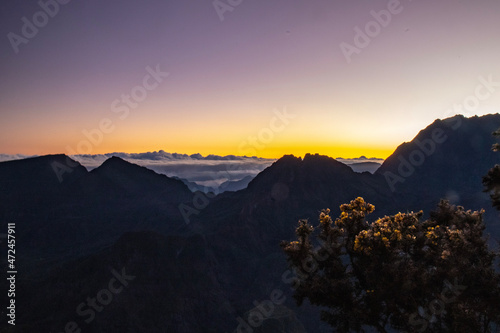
228, 78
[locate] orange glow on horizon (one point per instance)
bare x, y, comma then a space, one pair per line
206, 140
271, 152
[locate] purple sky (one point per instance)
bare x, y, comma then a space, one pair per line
229, 79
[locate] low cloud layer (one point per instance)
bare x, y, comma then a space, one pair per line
361, 159
209, 171
8, 157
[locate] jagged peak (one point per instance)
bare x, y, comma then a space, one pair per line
116, 162
318, 158
310, 159
445, 137
124, 172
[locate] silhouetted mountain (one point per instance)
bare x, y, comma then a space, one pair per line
193, 187
134, 179
235, 185
445, 160
230, 185
35, 193
292, 188
63, 211
370, 167
34, 181
206, 273
245, 228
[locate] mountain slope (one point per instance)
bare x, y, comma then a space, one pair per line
445, 160
86, 210
135, 179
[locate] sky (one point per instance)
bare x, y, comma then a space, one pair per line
255, 78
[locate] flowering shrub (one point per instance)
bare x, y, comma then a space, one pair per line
385, 273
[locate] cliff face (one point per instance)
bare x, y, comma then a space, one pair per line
445, 160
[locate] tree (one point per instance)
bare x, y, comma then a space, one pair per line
399, 271
491, 181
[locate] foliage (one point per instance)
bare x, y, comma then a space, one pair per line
398, 271
491, 181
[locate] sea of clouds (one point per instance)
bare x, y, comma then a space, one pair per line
210, 171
